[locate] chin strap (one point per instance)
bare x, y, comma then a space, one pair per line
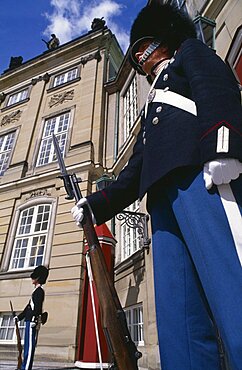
151, 48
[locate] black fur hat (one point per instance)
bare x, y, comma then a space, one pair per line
40, 273
164, 23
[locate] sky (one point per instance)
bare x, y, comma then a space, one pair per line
23, 23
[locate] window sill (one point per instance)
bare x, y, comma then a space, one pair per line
7, 275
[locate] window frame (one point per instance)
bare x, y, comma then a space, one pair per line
13, 229
65, 71
64, 77
30, 237
48, 138
135, 243
112, 67
129, 313
9, 105
10, 319
234, 54
10, 151
131, 109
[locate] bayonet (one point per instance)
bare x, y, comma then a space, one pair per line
69, 180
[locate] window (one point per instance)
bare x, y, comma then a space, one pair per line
59, 126
6, 145
234, 57
134, 316
205, 28
130, 237
18, 97
130, 108
65, 77
7, 328
112, 69
31, 237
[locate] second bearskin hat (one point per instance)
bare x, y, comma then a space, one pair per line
162, 22
40, 273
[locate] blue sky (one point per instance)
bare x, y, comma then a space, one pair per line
25, 22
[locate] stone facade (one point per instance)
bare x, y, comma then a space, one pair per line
101, 132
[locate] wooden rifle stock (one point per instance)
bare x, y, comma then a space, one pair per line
19, 345
122, 348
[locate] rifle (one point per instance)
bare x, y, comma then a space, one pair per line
123, 350
19, 345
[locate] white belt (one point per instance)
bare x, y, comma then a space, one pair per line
171, 98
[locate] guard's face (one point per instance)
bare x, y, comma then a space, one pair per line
35, 282
159, 54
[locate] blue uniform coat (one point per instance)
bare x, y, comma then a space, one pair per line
176, 138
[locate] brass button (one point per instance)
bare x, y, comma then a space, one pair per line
165, 77
155, 120
159, 109
151, 96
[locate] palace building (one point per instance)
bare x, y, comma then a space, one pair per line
86, 93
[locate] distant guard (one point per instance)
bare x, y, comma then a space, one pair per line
32, 314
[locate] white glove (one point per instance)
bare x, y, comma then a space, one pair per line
221, 171
16, 318
77, 211
32, 324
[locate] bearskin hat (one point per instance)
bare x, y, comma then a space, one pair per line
162, 22
40, 273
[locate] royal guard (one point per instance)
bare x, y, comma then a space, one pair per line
187, 159
33, 314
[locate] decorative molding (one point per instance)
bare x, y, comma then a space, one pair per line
92, 56
61, 98
45, 78
12, 117
38, 193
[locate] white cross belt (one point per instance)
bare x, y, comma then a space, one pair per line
171, 98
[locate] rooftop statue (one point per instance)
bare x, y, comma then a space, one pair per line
53, 43
98, 24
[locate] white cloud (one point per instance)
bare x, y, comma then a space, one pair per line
72, 18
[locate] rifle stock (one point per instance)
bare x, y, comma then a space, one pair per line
123, 350
19, 345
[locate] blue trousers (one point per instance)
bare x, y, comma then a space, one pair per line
29, 346
197, 273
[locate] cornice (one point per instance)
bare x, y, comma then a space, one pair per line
79, 47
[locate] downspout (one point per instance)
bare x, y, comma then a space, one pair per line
116, 129
115, 149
